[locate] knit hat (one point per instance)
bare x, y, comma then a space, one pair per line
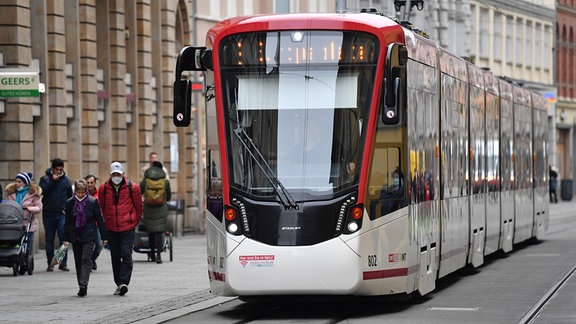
26, 177
116, 167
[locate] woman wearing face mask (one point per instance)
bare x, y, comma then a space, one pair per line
29, 196
83, 220
121, 203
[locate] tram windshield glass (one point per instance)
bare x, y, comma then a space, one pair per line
296, 105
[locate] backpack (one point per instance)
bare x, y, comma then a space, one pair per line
155, 192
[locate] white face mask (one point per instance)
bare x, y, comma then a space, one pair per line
116, 180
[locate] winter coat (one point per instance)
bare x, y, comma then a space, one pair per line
94, 222
121, 210
56, 193
31, 203
155, 217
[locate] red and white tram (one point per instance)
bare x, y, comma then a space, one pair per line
348, 155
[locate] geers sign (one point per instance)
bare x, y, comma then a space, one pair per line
18, 83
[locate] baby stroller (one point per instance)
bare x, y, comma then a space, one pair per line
14, 239
141, 244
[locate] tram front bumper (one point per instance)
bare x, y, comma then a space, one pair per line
328, 268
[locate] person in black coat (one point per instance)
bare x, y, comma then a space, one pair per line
83, 220
553, 181
56, 190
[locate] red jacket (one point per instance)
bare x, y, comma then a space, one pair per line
121, 211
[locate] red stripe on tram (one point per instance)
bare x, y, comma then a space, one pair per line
382, 274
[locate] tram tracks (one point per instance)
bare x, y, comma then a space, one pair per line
533, 313
536, 309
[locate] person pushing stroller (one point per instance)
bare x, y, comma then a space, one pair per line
23, 201
29, 196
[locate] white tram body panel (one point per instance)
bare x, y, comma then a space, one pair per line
382, 259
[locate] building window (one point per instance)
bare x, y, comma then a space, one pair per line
484, 33
546, 48
509, 39
497, 37
282, 6
529, 34
538, 46
519, 42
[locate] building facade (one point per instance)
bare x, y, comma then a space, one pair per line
565, 116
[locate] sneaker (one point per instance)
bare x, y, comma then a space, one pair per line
63, 268
82, 292
94, 266
123, 290
117, 291
50, 269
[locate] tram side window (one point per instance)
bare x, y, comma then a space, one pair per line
386, 183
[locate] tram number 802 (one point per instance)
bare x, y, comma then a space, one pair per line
372, 260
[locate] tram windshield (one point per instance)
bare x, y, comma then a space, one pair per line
296, 105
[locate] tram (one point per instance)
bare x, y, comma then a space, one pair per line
349, 155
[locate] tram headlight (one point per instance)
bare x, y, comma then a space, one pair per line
232, 228
297, 36
352, 227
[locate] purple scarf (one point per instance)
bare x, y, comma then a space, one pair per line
80, 211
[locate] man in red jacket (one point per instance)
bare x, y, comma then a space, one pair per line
121, 203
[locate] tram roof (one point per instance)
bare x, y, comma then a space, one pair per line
321, 21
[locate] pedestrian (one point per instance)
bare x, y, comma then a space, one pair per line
56, 190
83, 221
121, 204
29, 196
156, 191
92, 190
553, 183
153, 156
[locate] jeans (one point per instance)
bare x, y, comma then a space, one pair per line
83, 262
98, 246
52, 224
121, 245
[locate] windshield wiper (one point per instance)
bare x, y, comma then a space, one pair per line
285, 198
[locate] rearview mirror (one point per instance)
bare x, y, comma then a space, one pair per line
182, 103
393, 85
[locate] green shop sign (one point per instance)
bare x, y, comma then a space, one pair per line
18, 83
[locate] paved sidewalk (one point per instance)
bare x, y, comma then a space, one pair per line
155, 289
158, 292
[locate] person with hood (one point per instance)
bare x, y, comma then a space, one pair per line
121, 204
155, 211
83, 221
57, 189
29, 196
